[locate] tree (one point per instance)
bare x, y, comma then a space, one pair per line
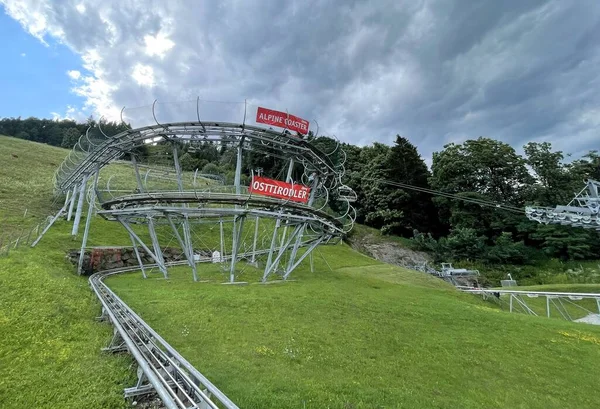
485, 169
70, 137
405, 165
553, 179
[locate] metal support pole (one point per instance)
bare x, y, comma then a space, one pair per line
177, 168
138, 178
79, 206
312, 263
67, 197
282, 250
156, 246
313, 191
187, 237
255, 239
56, 216
135, 236
295, 251
548, 306
137, 255
73, 198
88, 221
185, 244
238, 167
510, 308
272, 249
289, 172
276, 262
222, 240
302, 257
237, 235
598, 304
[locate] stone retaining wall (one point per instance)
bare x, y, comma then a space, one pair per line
108, 258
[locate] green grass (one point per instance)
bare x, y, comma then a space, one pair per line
366, 335
30, 173
574, 308
49, 341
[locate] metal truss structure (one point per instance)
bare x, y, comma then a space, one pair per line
185, 201
582, 211
580, 307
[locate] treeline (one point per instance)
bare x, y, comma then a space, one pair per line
64, 133
477, 170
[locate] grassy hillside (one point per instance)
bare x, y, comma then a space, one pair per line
49, 341
26, 168
359, 335
365, 335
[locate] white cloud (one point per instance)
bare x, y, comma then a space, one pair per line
158, 45
143, 75
74, 74
430, 70
23, 55
71, 113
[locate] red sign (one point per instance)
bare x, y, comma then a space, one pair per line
279, 189
282, 120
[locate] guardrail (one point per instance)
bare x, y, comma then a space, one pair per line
15, 240
161, 367
561, 302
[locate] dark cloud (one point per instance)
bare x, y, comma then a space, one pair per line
433, 71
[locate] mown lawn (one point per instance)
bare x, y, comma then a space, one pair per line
365, 335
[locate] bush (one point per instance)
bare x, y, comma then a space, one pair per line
211, 169
506, 251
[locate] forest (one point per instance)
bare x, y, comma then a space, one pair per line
478, 170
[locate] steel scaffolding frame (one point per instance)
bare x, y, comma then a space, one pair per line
517, 301
312, 223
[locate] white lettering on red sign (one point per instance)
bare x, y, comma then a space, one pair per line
281, 190
282, 120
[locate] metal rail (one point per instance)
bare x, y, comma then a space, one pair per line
161, 367
517, 301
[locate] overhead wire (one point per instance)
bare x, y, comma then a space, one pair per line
480, 202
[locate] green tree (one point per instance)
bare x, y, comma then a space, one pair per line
484, 169
70, 137
404, 165
553, 179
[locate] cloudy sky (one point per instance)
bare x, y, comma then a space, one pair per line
433, 71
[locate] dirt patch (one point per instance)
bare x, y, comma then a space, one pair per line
388, 251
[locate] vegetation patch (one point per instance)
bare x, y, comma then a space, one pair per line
365, 335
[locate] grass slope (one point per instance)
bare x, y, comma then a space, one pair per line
365, 335
30, 173
49, 341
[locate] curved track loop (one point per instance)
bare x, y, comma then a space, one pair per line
161, 367
86, 158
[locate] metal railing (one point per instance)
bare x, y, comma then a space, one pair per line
161, 367
25, 237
